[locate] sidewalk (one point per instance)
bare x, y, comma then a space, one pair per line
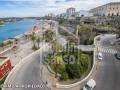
22, 51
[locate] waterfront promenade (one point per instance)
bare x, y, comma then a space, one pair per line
24, 47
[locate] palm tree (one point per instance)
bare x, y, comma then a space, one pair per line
38, 41
56, 46
16, 40
26, 36
2, 45
10, 42
33, 38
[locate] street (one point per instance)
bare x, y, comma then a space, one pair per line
107, 76
34, 73
60, 45
28, 73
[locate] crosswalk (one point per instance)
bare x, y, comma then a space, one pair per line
106, 50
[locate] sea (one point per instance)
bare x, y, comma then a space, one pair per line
12, 29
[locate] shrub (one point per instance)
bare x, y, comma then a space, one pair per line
34, 48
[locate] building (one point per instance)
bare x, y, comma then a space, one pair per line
5, 67
83, 13
70, 11
110, 9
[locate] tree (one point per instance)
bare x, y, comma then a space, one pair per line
38, 41
73, 70
83, 31
33, 38
2, 45
56, 46
64, 75
61, 21
26, 36
10, 42
16, 40
48, 36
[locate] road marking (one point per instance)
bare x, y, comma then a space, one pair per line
106, 50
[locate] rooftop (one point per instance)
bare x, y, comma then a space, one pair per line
111, 3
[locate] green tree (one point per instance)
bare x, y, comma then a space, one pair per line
26, 36
2, 45
48, 36
61, 21
33, 38
64, 75
83, 31
38, 41
10, 42
16, 40
56, 47
73, 70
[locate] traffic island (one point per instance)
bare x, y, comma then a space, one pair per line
70, 66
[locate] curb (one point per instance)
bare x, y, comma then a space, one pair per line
77, 83
50, 70
11, 76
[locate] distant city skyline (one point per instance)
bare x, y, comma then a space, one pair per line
29, 8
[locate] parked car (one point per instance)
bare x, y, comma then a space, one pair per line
100, 56
117, 55
90, 85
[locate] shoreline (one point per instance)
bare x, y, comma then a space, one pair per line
2, 25
27, 32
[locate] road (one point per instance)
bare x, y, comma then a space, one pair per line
32, 72
23, 49
28, 73
86, 47
108, 73
61, 40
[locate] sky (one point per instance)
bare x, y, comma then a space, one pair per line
25, 8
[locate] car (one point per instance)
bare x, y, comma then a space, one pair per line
117, 55
100, 56
90, 85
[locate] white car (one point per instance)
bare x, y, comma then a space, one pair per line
90, 85
100, 56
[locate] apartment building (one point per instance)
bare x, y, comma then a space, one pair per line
110, 9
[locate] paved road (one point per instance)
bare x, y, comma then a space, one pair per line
28, 73
59, 37
23, 50
86, 47
108, 73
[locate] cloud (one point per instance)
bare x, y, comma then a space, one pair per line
43, 7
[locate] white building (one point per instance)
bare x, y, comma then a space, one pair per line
110, 9
70, 11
